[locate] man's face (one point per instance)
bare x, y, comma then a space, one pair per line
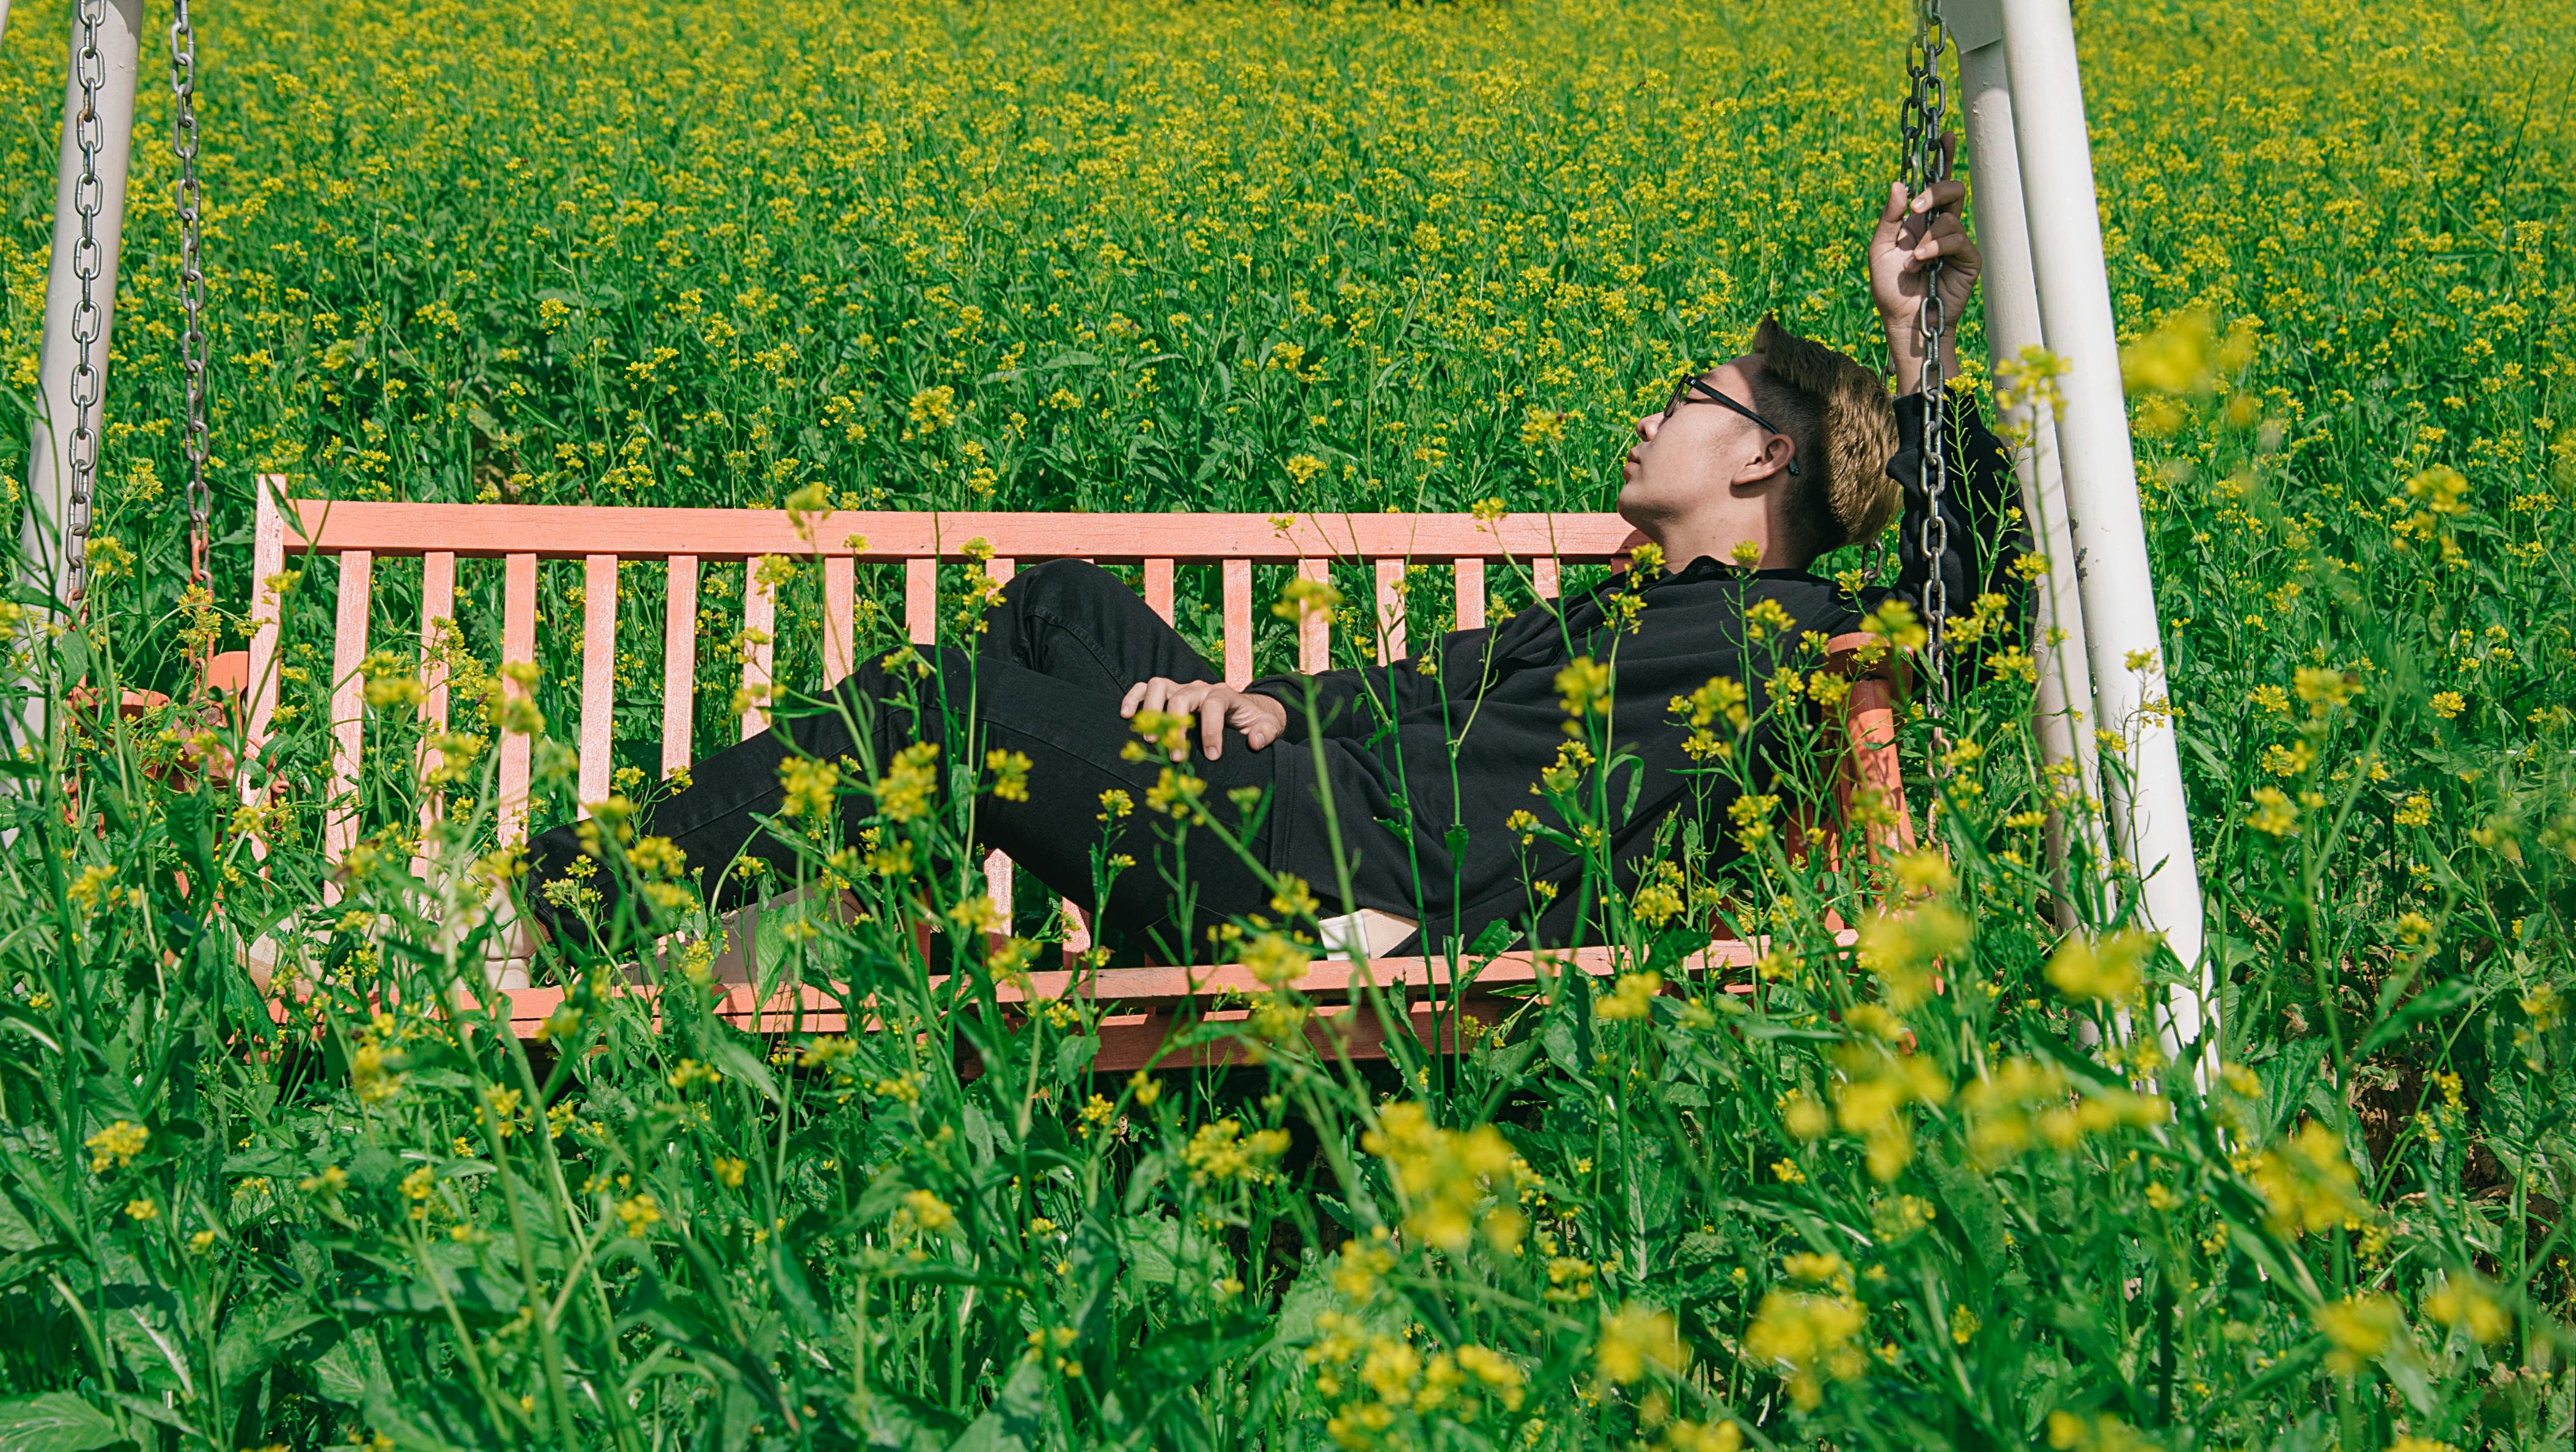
1687, 452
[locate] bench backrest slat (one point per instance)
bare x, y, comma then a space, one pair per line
437, 607
1390, 610
1315, 627
840, 619
518, 647
759, 626
1238, 623
1158, 588
1470, 594
491, 531
679, 661
348, 706
598, 674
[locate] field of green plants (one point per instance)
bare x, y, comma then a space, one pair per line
1279, 257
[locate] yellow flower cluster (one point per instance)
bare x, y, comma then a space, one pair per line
2023, 1103
1443, 1175
1221, 1153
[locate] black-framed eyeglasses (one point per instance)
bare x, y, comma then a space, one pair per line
1699, 390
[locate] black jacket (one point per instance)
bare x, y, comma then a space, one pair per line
1444, 756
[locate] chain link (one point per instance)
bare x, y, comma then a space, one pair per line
1922, 161
89, 321
192, 283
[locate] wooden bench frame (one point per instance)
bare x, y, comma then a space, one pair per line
1154, 1000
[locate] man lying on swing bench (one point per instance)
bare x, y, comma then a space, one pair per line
1793, 447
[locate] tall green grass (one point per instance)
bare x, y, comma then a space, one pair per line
1290, 258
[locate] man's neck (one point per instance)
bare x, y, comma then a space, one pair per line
1722, 540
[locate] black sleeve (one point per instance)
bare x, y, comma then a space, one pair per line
1340, 701
1981, 503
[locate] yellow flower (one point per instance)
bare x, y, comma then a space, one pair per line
2101, 1432
119, 1143
1632, 998
904, 792
1583, 686
932, 408
2362, 1328
810, 785
2111, 970
2449, 704
928, 1211
1903, 948
2306, 1183
1010, 774
1688, 1436
2467, 1304
1804, 1117
2274, 815
1303, 599
1815, 1266
1441, 1175
640, 1215
1222, 1153
1805, 1336
1634, 1339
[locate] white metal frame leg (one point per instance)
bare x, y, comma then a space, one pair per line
49, 442
2065, 697
2149, 820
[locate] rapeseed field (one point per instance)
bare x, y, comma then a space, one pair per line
1931, 1190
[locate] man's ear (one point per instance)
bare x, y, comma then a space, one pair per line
1777, 461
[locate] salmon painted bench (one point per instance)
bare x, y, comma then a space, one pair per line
1147, 1003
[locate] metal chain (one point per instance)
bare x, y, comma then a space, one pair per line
1923, 161
88, 321
192, 283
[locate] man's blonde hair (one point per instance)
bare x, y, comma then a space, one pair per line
1837, 412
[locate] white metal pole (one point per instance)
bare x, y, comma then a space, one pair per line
96, 144
48, 454
2065, 703
2149, 820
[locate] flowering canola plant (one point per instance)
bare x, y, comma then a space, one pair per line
266, 1178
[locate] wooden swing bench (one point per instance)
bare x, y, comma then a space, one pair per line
1144, 1005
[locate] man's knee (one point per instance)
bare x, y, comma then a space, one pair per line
1052, 585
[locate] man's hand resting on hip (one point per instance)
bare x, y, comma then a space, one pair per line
1217, 706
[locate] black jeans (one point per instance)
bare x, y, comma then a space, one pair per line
1059, 651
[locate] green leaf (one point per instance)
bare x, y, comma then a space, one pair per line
739, 1062
55, 1422
1018, 1418
2443, 997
